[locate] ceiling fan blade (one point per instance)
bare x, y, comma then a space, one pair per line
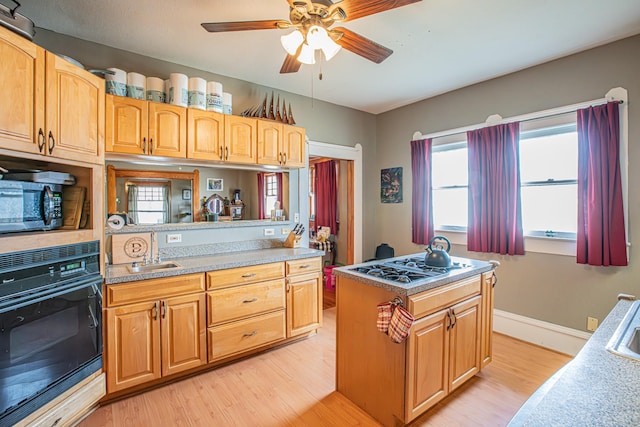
362, 46
358, 8
218, 27
290, 65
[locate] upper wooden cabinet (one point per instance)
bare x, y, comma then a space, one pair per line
49, 106
205, 135
280, 144
240, 139
143, 127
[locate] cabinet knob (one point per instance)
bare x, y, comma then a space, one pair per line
41, 140
52, 142
150, 145
144, 145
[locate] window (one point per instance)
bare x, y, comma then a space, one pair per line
548, 176
148, 203
270, 191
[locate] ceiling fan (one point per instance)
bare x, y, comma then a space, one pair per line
311, 22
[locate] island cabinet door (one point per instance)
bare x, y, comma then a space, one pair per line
133, 346
427, 363
304, 304
464, 356
183, 333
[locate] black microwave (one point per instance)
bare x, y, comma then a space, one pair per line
27, 206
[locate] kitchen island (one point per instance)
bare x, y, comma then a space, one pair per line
449, 341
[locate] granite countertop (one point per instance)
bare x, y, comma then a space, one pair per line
472, 268
597, 388
198, 264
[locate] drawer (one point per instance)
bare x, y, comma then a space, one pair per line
305, 265
241, 275
432, 300
228, 304
153, 289
243, 335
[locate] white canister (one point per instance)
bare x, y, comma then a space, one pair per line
227, 107
197, 93
116, 83
214, 97
155, 89
136, 85
178, 89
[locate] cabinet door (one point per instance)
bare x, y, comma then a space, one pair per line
293, 146
133, 345
22, 101
126, 125
183, 333
74, 112
304, 304
486, 349
464, 355
167, 130
205, 133
427, 363
270, 143
240, 139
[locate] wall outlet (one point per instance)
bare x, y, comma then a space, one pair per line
269, 231
174, 238
286, 231
296, 217
592, 324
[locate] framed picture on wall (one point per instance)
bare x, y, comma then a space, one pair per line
214, 184
186, 194
391, 185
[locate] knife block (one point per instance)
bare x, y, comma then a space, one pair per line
292, 241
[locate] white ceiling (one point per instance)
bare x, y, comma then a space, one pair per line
439, 45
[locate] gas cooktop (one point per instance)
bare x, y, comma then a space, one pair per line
406, 270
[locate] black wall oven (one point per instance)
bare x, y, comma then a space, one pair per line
50, 325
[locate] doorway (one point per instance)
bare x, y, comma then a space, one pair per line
348, 242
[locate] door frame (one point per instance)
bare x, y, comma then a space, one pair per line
354, 192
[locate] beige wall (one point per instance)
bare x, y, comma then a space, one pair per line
552, 288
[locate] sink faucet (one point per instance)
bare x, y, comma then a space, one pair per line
153, 239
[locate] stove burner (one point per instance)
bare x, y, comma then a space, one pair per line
406, 270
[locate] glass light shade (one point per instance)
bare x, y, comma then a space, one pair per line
292, 41
330, 48
316, 37
307, 55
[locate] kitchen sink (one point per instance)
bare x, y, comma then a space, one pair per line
626, 339
149, 268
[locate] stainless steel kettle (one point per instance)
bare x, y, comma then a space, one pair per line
436, 255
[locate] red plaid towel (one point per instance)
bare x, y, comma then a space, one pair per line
400, 325
385, 310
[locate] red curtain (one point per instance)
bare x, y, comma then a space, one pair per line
261, 213
495, 217
326, 190
422, 203
601, 236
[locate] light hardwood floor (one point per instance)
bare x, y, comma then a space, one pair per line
295, 386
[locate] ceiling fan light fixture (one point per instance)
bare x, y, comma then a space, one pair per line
291, 42
307, 55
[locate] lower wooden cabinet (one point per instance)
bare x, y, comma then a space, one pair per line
443, 353
159, 336
304, 304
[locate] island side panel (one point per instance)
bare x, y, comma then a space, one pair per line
370, 368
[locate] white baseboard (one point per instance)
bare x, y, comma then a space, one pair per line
555, 337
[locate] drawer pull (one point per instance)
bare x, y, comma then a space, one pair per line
305, 266
250, 335
250, 300
155, 310
247, 275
